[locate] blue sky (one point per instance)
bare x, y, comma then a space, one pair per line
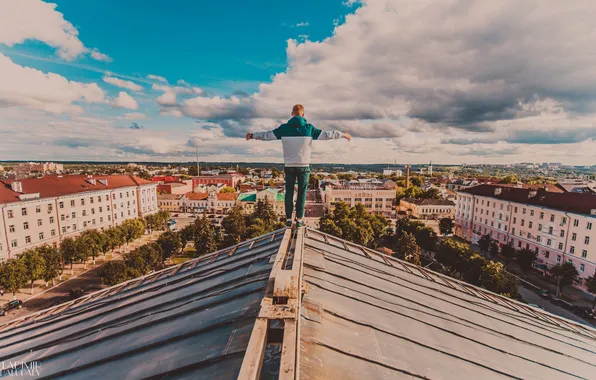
455, 81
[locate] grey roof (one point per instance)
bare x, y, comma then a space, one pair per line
189, 321
369, 316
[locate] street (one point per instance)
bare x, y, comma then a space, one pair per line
531, 297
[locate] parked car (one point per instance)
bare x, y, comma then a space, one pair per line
582, 311
14, 304
544, 294
559, 302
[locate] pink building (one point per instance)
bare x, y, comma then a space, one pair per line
561, 227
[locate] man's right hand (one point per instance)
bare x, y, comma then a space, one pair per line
347, 136
248, 136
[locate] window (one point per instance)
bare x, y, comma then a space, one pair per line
562, 233
93, 222
109, 217
529, 235
550, 230
108, 197
546, 254
558, 259
11, 228
101, 219
120, 195
108, 207
37, 209
541, 215
552, 218
564, 220
91, 199
524, 211
560, 246
24, 211
41, 236
26, 225
63, 229
576, 223
589, 226
540, 227
39, 222
515, 209
13, 244
82, 202
61, 204
572, 250
538, 239
93, 211
584, 253
582, 267
27, 239
53, 233
513, 231
74, 227
514, 220
100, 209
62, 217
9, 214
587, 240
72, 203
50, 208
530, 225
522, 222
51, 220
548, 242
531, 212
84, 212
574, 236
74, 215
84, 224
99, 198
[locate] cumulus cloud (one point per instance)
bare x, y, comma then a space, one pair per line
170, 93
129, 85
99, 56
34, 89
125, 101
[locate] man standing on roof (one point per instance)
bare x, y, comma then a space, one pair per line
296, 137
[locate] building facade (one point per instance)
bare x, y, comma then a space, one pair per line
377, 199
276, 200
427, 208
170, 202
44, 210
230, 180
560, 227
212, 203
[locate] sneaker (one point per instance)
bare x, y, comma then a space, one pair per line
288, 223
300, 223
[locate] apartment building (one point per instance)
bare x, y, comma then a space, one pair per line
427, 208
44, 210
230, 180
377, 199
213, 203
276, 200
170, 202
560, 227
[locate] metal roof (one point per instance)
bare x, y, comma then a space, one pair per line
369, 316
188, 321
299, 304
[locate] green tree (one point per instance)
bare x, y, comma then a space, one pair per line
509, 179
257, 228
591, 285
494, 248
408, 250
356, 225
69, 251
193, 171
446, 226
496, 279
565, 274
508, 252
234, 225
264, 212
162, 217
13, 276
328, 226
474, 269
136, 264
169, 243
426, 238
86, 247
96, 238
525, 258
227, 189
52, 260
152, 222
204, 236
34, 265
187, 234
484, 243
416, 181
113, 272
431, 193
151, 254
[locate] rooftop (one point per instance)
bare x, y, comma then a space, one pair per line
333, 309
58, 185
572, 202
429, 202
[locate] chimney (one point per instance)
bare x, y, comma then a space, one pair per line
17, 186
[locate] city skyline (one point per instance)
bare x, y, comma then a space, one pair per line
489, 82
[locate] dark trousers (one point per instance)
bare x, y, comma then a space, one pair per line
302, 175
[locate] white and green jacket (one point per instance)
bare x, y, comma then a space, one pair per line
296, 137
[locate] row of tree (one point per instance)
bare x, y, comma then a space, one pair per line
48, 262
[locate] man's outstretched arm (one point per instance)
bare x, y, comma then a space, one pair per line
265, 136
329, 135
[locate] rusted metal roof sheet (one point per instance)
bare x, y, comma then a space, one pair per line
191, 324
364, 319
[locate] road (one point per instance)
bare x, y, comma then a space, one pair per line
531, 297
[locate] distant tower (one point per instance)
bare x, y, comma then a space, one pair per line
430, 168
198, 166
407, 176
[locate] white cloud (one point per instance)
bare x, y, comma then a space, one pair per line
125, 101
300, 24
27, 87
134, 116
129, 85
170, 93
99, 56
157, 78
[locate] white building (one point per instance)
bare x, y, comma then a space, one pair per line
377, 199
560, 227
44, 210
